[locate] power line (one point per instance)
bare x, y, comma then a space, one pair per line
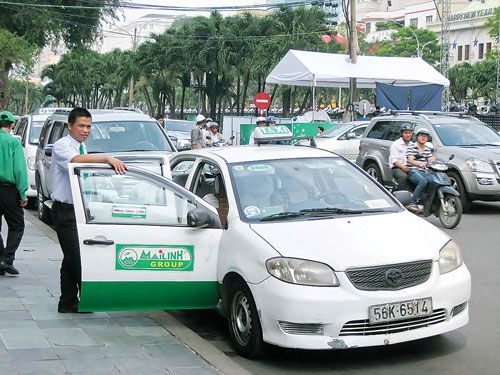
131, 5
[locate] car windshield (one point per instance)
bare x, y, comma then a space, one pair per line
118, 136
36, 128
180, 126
305, 188
466, 134
335, 131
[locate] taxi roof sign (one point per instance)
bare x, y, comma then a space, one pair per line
265, 134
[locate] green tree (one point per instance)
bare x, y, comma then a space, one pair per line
410, 41
460, 76
15, 52
77, 23
493, 24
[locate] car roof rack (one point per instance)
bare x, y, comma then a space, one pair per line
429, 113
131, 109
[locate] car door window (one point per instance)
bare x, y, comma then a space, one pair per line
359, 131
380, 130
21, 127
55, 133
209, 186
181, 170
392, 132
132, 199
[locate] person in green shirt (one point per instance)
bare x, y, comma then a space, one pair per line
13, 187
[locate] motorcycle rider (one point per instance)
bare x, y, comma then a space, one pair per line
397, 156
418, 156
216, 139
261, 121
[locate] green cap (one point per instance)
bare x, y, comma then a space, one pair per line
7, 116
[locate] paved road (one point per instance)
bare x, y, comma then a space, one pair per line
475, 349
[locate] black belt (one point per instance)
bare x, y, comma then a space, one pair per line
63, 204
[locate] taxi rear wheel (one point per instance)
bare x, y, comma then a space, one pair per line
244, 324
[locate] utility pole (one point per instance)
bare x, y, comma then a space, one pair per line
445, 49
131, 83
353, 46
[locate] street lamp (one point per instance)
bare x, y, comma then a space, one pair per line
418, 42
420, 52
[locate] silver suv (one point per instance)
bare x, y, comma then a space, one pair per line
471, 148
131, 136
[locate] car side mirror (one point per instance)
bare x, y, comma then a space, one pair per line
403, 196
48, 151
199, 218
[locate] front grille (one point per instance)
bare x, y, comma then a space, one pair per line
364, 328
375, 278
458, 309
301, 328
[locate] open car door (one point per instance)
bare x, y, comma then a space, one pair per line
137, 250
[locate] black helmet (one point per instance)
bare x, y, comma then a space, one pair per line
405, 126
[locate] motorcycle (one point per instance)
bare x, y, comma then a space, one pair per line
445, 203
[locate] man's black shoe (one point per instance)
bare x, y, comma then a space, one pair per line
67, 309
9, 268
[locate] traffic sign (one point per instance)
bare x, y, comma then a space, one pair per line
262, 100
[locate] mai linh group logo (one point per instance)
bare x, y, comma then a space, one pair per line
155, 257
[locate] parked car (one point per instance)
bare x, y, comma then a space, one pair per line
470, 147
28, 130
247, 230
180, 131
131, 136
343, 139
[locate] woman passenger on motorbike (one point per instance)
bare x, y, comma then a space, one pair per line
418, 156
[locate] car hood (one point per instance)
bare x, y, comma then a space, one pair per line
179, 135
480, 152
347, 242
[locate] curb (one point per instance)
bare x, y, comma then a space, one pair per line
183, 334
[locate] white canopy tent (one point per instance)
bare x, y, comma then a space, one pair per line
316, 69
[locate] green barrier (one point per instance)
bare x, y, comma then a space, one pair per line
298, 129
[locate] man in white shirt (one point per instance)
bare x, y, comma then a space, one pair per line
71, 149
397, 156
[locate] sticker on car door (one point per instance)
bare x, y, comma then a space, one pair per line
154, 257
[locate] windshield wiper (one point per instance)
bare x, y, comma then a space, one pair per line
337, 210
284, 215
95, 152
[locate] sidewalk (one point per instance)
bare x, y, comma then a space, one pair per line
36, 339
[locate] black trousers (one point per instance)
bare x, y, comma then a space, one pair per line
11, 209
63, 217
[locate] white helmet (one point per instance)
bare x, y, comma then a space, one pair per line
200, 118
260, 119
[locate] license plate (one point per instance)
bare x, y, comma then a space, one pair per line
390, 312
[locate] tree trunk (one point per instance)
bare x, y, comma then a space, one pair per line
273, 93
286, 101
245, 88
183, 98
238, 88
4, 76
304, 102
172, 103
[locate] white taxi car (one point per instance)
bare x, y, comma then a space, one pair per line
297, 246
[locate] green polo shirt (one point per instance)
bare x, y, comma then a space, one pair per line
12, 163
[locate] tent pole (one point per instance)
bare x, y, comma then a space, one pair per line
314, 96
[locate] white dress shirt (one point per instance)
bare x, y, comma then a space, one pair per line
398, 152
65, 149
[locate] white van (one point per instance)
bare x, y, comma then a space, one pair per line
28, 130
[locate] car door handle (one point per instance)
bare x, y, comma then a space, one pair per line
383, 148
98, 242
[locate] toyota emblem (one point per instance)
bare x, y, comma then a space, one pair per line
394, 277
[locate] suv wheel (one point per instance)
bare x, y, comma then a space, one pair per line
458, 185
43, 210
373, 170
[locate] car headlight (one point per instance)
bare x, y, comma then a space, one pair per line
31, 163
478, 165
450, 257
301, 271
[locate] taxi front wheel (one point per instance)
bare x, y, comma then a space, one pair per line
244, 324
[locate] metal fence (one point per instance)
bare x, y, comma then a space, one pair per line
491, 120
